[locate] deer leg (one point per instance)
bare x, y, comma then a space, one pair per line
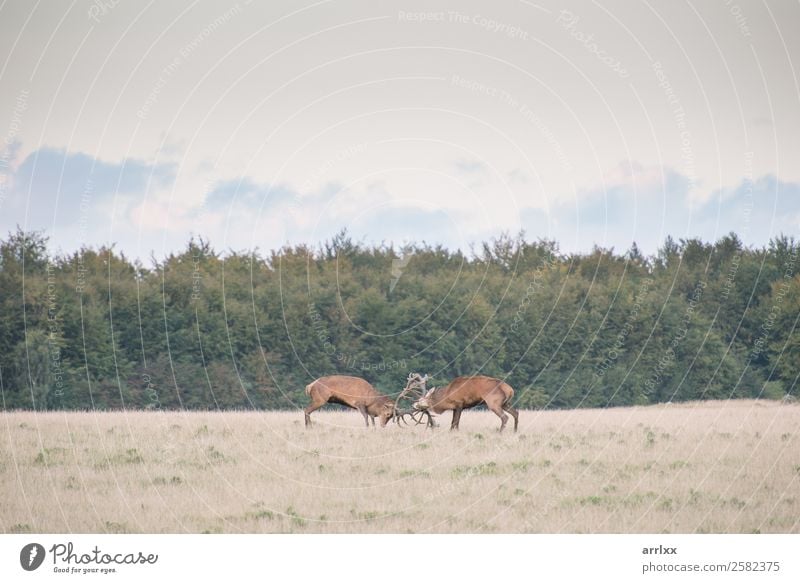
456, 419
514, 413
310, 409
363, 410
498, 410
373, 420
430, 424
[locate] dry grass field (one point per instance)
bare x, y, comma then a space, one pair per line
698, 467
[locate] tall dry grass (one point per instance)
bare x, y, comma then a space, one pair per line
698, 467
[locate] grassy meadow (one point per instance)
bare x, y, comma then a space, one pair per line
718, 467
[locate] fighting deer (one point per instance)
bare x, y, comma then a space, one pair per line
415, 388
351, 392
466, 392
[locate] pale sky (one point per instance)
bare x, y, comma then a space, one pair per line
593, 123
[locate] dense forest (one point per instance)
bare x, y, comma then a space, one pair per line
205, 330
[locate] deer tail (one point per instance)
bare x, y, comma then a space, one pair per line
308, 388
509, 393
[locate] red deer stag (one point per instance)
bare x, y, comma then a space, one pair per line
466, 392
352, 392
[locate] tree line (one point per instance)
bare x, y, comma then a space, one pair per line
201, 329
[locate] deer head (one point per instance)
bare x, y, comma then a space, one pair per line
425, 401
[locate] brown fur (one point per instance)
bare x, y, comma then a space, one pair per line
352, 392
466, 392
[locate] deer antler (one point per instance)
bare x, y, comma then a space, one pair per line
417, 415
415, 387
